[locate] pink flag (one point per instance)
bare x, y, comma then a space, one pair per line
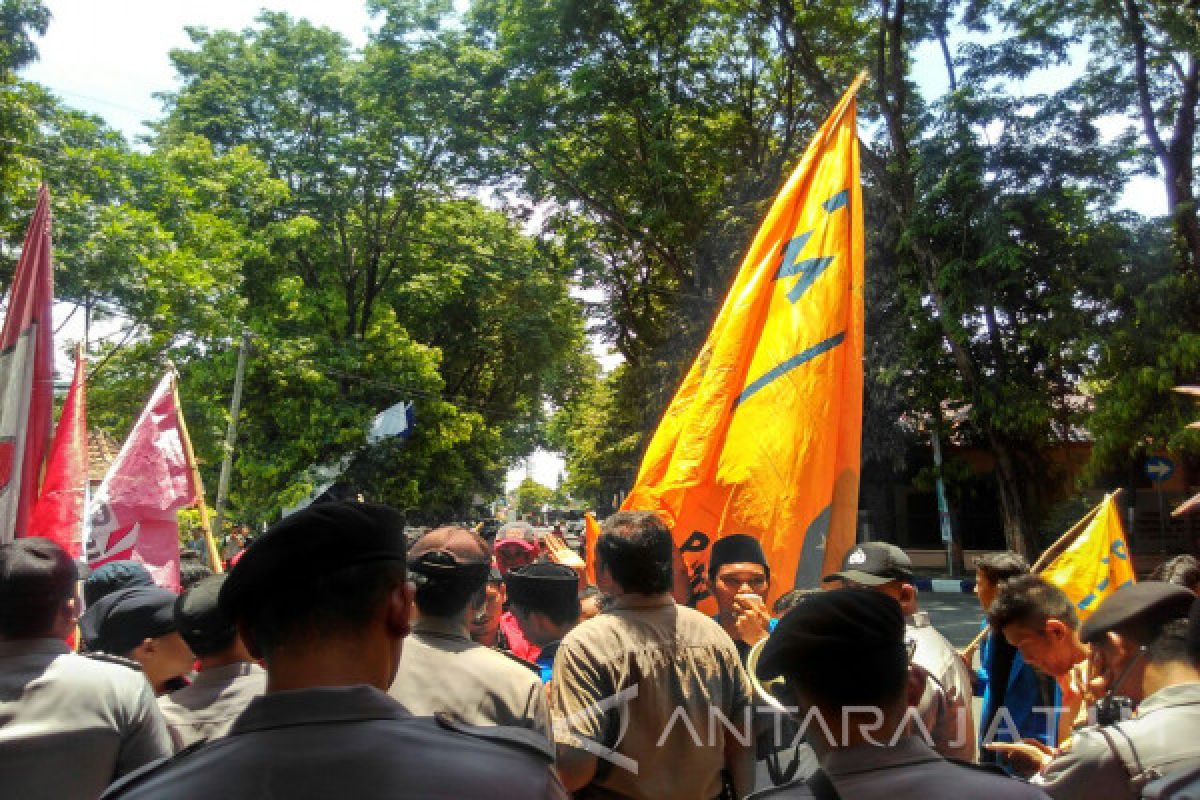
58, 515
132, 515
26, 375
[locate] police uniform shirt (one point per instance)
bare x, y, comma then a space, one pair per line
647, 679
1115, 761
350, 742
443, 670
207, 708
939, 658
908, 769
70, 725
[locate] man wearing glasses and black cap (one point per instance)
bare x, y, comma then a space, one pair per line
885, 568
69, 724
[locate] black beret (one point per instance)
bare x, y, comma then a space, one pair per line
1149, 602
311, 543
34, 567
118, 622
737, 548
542, 585
832, 626
201, 622
108, 578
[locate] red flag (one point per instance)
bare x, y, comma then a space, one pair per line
59, 512
133, 514
26, 375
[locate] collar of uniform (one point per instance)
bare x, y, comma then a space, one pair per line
1179, 694
441, 626
313, 706
30, 647
224, 674
869, 758
642, 601
917, 619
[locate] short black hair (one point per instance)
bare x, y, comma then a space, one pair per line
1000, 567
637, 550
32, 616
449, 594
561, 611
1030, 600
191, 570
339, 602
1182, 570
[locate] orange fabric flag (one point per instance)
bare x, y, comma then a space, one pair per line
764, 435
591, 533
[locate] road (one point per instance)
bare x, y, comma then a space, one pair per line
957, 616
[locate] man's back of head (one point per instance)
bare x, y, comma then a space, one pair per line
37, 590
635, 549
450, 567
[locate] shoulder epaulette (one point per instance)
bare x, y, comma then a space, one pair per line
128, 781
524, 738
99, 655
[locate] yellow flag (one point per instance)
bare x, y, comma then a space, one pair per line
1096, 564
763, 437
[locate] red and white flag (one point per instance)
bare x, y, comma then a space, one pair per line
26, 375
58, 515
133, 513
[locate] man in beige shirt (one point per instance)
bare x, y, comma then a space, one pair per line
441, 668
649, 699
228, 678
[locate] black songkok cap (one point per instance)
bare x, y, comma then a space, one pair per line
848, 624
543, 585
35, 567
311, 543
737, 548
108, 578
1149, 602
118, 622
874, 564
201, 622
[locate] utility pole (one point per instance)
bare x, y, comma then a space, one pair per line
235, 408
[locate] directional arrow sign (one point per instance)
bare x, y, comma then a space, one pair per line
1159, 468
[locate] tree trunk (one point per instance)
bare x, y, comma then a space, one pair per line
1012, 501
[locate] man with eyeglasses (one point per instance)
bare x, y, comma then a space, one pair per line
740, 578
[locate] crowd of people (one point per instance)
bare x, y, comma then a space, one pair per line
337, 659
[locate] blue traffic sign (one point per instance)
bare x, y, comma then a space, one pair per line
1159, 468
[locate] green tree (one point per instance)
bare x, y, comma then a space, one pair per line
531, 496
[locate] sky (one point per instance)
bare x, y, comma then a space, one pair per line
111, 58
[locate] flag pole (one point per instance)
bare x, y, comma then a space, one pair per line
1054, 551
213, 556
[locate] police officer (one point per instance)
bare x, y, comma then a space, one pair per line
323, 597
227, 680
1139, 641
544, 598
138, 623
845, 661
69, 724
442, 669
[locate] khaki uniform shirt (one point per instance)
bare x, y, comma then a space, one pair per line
207, 708
441, 669
70, 725
908, 770
350, 742
952, 730
1116, 761
651, 689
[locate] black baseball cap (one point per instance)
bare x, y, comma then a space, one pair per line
201, 622
1149, 602
852, 625
874, 564
34, 567
309, 544
118, 622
